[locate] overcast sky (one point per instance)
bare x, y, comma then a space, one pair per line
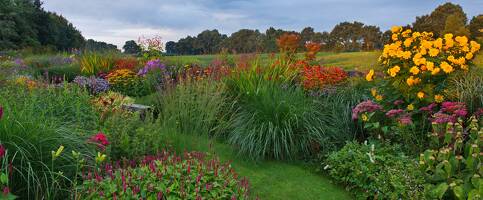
116, 21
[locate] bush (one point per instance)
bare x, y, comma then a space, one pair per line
452, 165
92, 84
66, 72
272, 120
166, 176
375, 172
37, 122
127, 82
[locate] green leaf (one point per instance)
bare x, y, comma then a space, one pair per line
4, 179
458, 192
439, 190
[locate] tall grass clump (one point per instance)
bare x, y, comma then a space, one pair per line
468, 88
92, 63
272, 119
35, 123
193, 107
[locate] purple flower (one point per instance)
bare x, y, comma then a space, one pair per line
398, 102
428, 108
151, 65
365, 106
441, 118
93, 84
394, 112
405, 119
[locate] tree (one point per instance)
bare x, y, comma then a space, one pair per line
92, 45
436, 21
476, 27
455, 24
171, 48
208, 42
372, 37
131, 47
307, 34
245, 41
347, 36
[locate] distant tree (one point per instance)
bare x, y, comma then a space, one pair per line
307, 34
436, 21
131, 47
371, 36
347, 36
171, 48
455, 24
269, 38
245, 41
186, 46
92, 45
476, 27
209, 41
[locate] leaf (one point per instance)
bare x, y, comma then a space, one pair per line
439, 190
458, 192
4, 179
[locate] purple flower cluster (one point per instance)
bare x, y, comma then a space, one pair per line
93, 84
429, 108
405, 119
151, 65
449, 112
365, 106
394, 112
60, 60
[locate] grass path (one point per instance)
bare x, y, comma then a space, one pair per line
268, 179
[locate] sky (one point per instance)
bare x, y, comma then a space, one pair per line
116, 21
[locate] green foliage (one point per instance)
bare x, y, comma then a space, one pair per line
272, 120
92, 63
375, 172
452, 165
194, 107
456, 25
167, 176
39, 121
467, 88
131, 47
436, 21
67, 71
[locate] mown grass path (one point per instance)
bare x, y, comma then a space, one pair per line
268, 179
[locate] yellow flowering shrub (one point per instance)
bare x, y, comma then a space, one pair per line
126, 82
418, 64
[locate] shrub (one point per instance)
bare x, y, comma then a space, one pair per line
272, 120
452, 164
375, 172
126, 63
317, 77
166, 176
36, 122
92, 84
126, 82
67, 71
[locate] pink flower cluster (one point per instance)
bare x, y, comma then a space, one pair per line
365, 106
449, 112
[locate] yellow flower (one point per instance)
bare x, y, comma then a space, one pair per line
378, 97
393, 71
364, 117
433, 52
416, 35
410, 107
412, 81
426, 44
414, 70
462, 40
394, 37
448, 41
438, 98
438, 43
373, 92
370, 75
406, 33
447, 68
56, 154
435, 71
423, 51
406, 54
475, 46
430, 65
396, 29
420, 95
100, 157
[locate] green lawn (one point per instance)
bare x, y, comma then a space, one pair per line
268, 179
347, 60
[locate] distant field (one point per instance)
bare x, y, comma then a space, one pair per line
347, 60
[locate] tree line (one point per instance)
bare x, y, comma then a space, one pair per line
25, 24
345, 36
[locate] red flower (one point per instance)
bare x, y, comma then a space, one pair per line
1, 112
100, 139
2, 151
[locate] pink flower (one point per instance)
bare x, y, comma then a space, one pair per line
100, 139
428, 108
2, 151
441, 118
394, 112
365, 106
398, 102
405, 119
1, 112
6, 191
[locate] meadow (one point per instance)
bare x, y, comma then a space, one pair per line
400, 123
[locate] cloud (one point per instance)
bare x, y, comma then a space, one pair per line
116, 21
